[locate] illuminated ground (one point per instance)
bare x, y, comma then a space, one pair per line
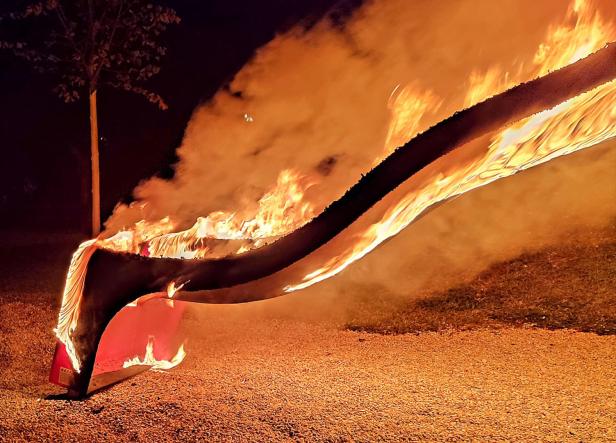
247, 379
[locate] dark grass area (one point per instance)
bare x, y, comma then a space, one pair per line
571, 285
32, 270
33, 265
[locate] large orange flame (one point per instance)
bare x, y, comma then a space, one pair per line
573, 125
280, 210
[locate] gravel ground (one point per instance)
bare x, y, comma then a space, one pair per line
287, 380
248, 379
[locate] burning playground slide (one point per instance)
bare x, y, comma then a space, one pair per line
126, 290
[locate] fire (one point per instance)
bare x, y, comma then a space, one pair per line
482, 86
150, 360
280, 210
407, 106
75, 279
172, 289
576, 124
570, 42
573, 125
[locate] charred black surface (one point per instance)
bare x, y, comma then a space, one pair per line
115, 279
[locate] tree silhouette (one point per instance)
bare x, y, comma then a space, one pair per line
90, 44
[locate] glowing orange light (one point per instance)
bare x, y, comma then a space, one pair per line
576, 124
150, 360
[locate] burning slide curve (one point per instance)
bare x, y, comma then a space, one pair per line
113, 280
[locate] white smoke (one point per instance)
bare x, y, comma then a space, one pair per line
320, 95
316, 101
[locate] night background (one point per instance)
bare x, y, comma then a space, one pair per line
44, 171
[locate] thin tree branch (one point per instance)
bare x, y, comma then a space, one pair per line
91, 46
69, 34
110, 41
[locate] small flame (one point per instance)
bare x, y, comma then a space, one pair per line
407, 105
172, 289
150, 360
482, 86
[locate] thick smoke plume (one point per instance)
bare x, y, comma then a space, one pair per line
320, 102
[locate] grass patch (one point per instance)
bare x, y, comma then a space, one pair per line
567, 286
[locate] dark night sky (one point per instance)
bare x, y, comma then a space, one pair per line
44, 158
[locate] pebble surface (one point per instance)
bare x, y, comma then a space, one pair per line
286, 380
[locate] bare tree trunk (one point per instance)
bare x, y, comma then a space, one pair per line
96, 199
